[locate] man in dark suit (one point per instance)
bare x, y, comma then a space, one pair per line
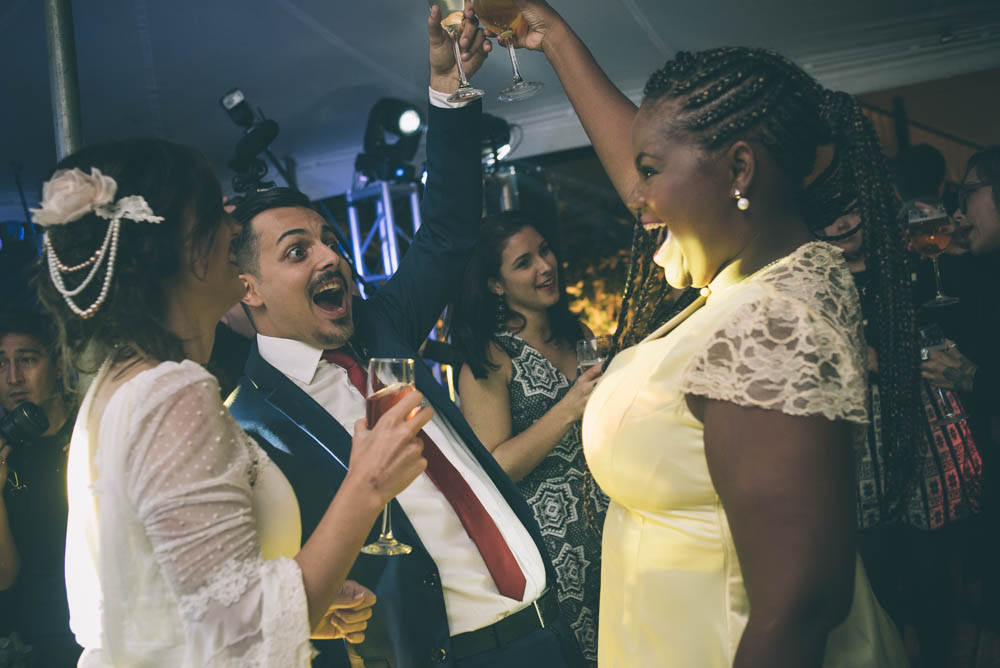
475, 590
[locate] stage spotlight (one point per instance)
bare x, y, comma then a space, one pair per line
409, 122
392, 137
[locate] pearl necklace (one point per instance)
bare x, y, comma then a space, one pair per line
108, 249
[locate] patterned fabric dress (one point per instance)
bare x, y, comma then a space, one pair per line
556, 490
949, 466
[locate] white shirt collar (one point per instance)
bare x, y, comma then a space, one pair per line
295, 359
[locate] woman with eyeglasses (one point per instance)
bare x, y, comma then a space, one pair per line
972, 366
978, 217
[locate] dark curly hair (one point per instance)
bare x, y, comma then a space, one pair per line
737, 93
472, 319
178, 184
32, 324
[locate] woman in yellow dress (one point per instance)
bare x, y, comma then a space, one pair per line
725, 436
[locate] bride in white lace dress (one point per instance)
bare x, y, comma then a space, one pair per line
183, 545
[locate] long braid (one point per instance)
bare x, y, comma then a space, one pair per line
630, 281
863, 171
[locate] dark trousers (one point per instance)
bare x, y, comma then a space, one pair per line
553, 647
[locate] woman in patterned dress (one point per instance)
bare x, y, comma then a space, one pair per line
524, 398
914, 554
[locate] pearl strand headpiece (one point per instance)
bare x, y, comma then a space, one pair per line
70, 195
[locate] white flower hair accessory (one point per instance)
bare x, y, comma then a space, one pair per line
70, 195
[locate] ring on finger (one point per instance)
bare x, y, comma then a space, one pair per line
925, 354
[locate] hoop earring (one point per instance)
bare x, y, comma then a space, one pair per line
742, 203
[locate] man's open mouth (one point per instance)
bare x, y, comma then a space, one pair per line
331, 296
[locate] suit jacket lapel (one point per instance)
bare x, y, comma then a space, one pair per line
313, 420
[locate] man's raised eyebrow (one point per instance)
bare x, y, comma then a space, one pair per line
297, 230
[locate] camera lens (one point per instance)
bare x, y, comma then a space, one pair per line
23, 425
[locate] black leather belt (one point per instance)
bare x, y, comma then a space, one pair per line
541, 613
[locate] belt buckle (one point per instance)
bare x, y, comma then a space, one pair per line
538, 610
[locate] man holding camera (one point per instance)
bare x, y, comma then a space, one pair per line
33, 505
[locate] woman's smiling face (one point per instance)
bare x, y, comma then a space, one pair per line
682, 188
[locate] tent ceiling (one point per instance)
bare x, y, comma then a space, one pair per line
317, 66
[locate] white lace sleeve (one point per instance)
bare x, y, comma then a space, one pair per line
189, 471
776, 353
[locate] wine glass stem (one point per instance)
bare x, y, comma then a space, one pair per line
386, 523
509, 41
463, 81
946, 411
937, 277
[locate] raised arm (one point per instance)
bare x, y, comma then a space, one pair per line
486, 406
452, 204
604, 111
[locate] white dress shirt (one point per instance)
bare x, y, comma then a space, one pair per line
471, 598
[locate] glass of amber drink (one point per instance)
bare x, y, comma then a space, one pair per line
389, 380
929, 230
503, 17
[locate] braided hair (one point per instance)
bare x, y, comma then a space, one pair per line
728, 94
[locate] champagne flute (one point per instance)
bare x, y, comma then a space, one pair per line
929, 230
502, 17
389, 380
452, 13
591, 352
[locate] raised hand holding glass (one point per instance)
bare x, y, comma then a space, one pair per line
389, 379
452, 15
503, 18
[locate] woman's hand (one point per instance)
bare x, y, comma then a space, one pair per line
872, 360
472, 42
387, 458
949, 369
348, 615
537, 20
576, 399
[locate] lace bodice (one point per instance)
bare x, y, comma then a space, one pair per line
173, 509
793, 342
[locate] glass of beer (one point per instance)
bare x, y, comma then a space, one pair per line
929, 230
452, 15
503, 17
591, 352
389, 379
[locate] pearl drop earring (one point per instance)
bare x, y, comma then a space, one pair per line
742, 203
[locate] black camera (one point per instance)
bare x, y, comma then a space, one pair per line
23, 425
258, 133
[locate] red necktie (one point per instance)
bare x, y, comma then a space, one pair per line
478, 524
